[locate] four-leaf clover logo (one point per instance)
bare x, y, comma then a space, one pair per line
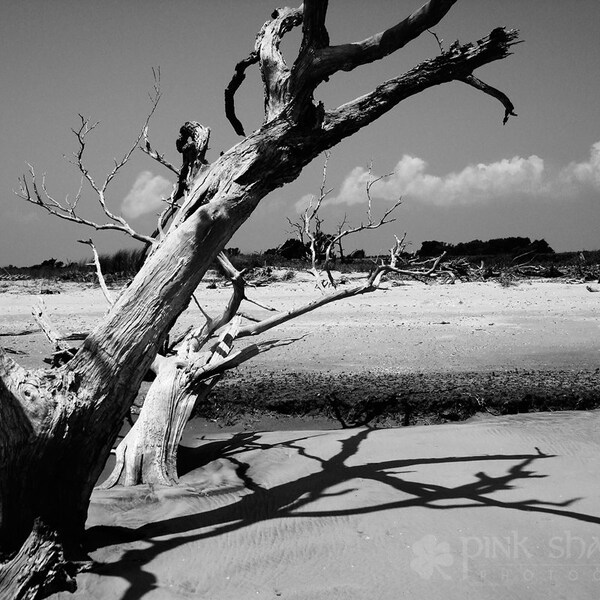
431, 556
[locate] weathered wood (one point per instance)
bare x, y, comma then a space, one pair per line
40, 314
38, 568
99, 274
148, 453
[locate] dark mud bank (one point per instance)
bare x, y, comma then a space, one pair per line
385, 399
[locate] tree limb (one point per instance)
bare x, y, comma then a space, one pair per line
197, 338
280, 318
274, 71
67, 211
314, 32
192, 143
455, 65
232, 87
346, 57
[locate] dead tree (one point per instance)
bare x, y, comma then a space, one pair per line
57, 426
148, 453
322, 245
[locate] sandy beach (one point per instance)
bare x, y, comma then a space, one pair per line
502, 508
495, 507
411, 327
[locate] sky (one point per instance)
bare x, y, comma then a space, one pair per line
460, 173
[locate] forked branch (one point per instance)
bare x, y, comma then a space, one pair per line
321, 245
346, 57
274, 71
364, 226
291, 90
38, 193
232, 87
457, 64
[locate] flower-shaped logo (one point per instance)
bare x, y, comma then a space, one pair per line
431, 556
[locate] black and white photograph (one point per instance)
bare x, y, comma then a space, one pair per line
299, 302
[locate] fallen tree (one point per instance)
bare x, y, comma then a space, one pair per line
57, 426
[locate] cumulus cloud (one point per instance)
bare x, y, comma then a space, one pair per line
584, 173
475, 184
145, 195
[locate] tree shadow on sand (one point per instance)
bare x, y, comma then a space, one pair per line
285, 500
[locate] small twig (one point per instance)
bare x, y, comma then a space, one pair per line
248, 317
152, 153
264, 306
101, 279
437, 39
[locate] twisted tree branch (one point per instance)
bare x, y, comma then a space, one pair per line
346, 57
232, 88
457, 64
509, 108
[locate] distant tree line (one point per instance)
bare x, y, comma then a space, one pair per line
126, 262
494, 247
295, 249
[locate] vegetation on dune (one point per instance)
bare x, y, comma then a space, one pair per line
493, 247
499, 257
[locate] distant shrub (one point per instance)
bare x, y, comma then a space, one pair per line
355, 255
293, 248
493, 247
124, 263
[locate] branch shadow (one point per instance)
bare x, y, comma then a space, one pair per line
262, 504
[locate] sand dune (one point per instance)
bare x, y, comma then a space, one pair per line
498, 508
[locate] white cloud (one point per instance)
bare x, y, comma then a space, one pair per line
146, 194
585, 173
304, 202
475, 184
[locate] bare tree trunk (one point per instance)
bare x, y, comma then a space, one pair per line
146, 454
